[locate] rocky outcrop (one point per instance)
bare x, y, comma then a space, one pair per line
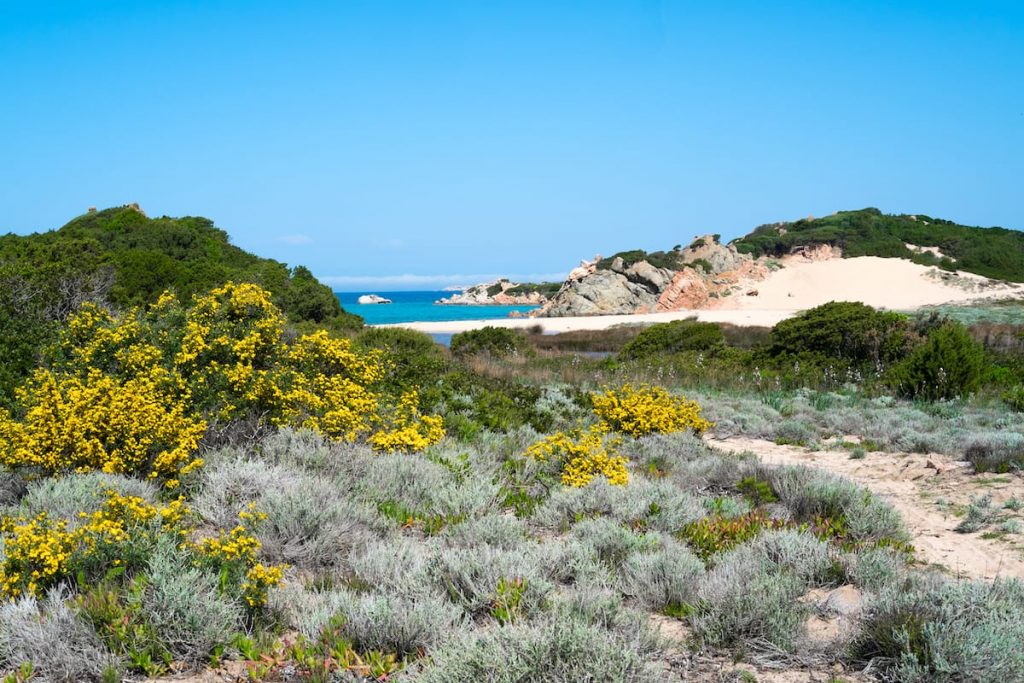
372, 299
705, 274
688, 289
817, 252
495, 293
603, 292
707, 250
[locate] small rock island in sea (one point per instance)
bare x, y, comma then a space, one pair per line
502, 293
373, 299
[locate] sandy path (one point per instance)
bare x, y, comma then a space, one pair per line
917, 490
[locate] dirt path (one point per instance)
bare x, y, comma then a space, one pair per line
931, 492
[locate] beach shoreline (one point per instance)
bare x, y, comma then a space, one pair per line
742, 318
883, 283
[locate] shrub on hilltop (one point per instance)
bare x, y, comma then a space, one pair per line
119, 258
992, 252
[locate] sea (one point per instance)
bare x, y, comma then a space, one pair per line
409, 307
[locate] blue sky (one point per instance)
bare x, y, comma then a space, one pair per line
419, 144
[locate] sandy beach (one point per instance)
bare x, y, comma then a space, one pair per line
754, 318
888, 283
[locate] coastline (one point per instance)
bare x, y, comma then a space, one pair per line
739, 317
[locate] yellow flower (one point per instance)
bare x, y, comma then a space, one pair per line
642, 410
582, 456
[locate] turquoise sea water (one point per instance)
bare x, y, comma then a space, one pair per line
411, 307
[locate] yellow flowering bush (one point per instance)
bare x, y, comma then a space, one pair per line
97, 421
645, 409
128, 394
405, 429
39, 551
229, 351
583, 455
234, 552
237, 360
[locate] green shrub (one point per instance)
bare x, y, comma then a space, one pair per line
999, 452
673, 337
944, 631
60, 644
496, 342
658, 259
848, 332
492, 403
949, 364
414, 358
559, 647
742, 602
1014, 398
702, 264
546, 289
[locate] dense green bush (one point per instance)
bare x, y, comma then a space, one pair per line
489, 402
947, 365
845, 332
673, 337
414, 358
1014, 398
544, 288
496, 342
658, 259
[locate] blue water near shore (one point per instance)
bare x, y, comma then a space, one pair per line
411, 307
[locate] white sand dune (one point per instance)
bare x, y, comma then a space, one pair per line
894, 284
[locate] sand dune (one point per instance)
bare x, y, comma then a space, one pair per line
894, 284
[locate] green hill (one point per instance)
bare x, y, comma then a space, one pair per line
993, 252
121, 258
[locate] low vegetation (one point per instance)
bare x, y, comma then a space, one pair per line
203, 482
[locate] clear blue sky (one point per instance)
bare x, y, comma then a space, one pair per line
451, 141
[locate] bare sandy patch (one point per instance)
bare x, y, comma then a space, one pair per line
927, 490
895, 284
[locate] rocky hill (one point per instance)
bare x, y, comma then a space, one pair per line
709, 274
502, 293
637, 282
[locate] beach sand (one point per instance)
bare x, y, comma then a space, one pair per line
893, 284
602, 322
